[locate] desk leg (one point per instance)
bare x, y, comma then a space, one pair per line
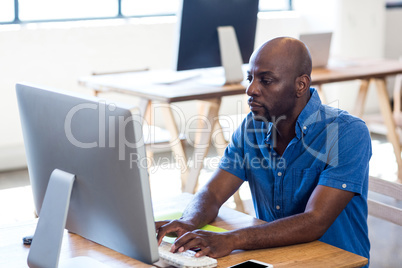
220, 145
202, 144
202, 109
175, 142
148, 115
361, 98
397, 95
145, 107
387, 115
219, 139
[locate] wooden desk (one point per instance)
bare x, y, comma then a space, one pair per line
140, 84
315, 254
367, 71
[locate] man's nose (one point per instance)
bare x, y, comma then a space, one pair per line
252, 89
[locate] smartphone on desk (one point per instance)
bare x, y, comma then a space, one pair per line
252, 264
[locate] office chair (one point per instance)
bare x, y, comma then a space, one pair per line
391, 213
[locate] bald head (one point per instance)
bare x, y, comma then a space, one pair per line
291, 54
280, 77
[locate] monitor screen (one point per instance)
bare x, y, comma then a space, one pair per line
198, 20
100, 144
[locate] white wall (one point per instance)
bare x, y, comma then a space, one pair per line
393, 36
358, 27
56, 54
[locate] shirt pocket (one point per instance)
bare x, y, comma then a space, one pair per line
304, 182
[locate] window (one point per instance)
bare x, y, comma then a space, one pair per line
31, 10
45, 10
6, 10
269, 5
149, 7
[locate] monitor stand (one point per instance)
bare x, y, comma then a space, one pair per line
230, 55
231, 61
46, 243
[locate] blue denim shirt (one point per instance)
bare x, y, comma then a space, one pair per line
331, 148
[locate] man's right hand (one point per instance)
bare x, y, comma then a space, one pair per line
204, 207
173, 228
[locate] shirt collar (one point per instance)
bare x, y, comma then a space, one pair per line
309, 114
306, 119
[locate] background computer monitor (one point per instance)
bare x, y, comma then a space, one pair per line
100, 144
198, 20
319, 45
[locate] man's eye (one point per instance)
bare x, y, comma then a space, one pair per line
265, 82
249, 78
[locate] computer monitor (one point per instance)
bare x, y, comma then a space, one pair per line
198, 20
319, 45
84, 156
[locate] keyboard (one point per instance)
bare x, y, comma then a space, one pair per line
184, 259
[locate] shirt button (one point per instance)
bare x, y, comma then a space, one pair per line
304, 127
344, 185
279, 173
278, 207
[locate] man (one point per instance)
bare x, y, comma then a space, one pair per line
306, 164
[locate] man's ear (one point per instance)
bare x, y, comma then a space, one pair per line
302, 85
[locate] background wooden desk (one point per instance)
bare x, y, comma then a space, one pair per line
315, 254
140, 84
367, 71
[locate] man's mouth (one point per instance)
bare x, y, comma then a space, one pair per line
254, 105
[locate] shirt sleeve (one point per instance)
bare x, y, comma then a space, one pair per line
348, 158
233, 160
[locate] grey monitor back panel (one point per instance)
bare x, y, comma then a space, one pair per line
319, 45
98, 143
